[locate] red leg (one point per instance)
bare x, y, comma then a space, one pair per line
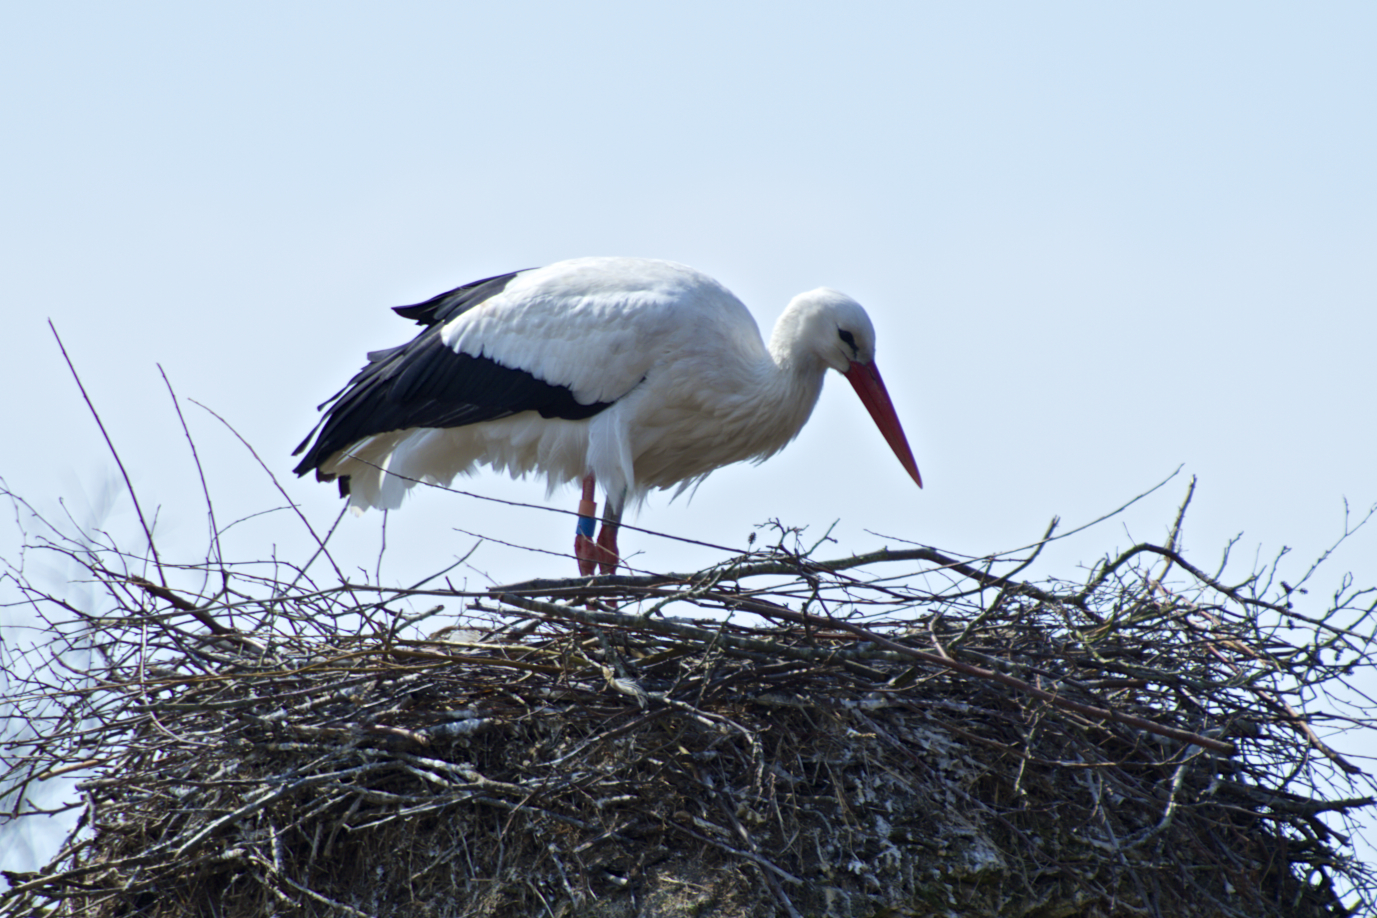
602, 553
586, 550
607, 539
607, 543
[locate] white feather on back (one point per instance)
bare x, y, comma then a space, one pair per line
593, 325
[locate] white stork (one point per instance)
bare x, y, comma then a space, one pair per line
632, 372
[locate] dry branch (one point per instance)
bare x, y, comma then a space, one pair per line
899, 730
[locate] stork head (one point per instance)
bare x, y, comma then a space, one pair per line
826, 327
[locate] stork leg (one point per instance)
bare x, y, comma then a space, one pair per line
607, 538
603, 552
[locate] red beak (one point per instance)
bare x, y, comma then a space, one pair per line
865, 379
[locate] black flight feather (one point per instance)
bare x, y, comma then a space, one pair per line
424, 383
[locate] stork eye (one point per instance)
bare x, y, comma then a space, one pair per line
847, 338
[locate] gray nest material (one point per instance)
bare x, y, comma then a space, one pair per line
897, 734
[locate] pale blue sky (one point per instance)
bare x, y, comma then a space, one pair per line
1098, 241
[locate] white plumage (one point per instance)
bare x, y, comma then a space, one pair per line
633, 372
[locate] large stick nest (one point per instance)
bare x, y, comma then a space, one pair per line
896, 734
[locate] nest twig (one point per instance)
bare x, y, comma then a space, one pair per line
776, 735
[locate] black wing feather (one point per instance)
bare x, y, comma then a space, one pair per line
449, 304
424, 383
